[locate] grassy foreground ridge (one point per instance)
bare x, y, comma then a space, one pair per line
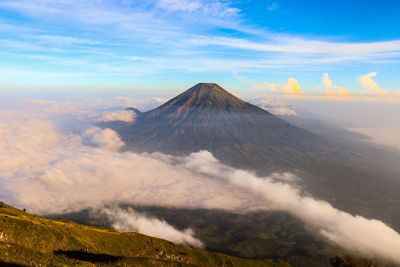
27, 239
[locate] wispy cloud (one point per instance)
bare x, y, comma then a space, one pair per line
118, 115
65, 40
177, 5
135, 37
210, 8
288, 44
275, 106
373, 92
371, 87
334, 92
128, 220
289, 89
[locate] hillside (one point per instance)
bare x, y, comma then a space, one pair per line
255, 235
26, 239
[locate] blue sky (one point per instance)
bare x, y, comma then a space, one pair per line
342, 50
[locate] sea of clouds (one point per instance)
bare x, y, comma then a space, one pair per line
48, 166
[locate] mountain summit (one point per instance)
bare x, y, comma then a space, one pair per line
201, 99
208, 95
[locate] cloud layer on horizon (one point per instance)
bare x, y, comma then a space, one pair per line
277, 107
371, 90
117, 115
290, 89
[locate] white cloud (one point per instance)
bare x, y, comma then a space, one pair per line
210, 8
372, 88
106, 138
160, 99
128, 220
66, 40
270, 102
289, 44
265, 86
283, 112
275, 106
40, 101
118, 115
355, 233
326, 81
372, 91
334, 92
128, 101
290, 89
179, 5
368, 237
47, 171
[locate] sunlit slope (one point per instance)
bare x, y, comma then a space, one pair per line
30, 240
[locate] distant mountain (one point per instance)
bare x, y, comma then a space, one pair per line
325, 128
28, 240
301, 118
352, 176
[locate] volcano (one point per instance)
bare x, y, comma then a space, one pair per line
242, 135
208, 117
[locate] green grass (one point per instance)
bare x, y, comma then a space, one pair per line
31, 240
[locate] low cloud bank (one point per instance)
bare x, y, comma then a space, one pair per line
355, 233
118, 115
283, 112
47, 171
275, 106
105, 138
388, 136
128, 220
